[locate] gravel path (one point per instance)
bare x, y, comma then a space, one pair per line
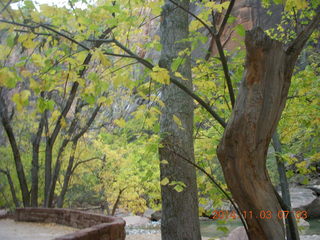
11, 230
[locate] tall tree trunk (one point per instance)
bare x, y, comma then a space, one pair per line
35, 163
15, 151
243, 149
64, 144
51, 141
291, 227
11, 185
179, 209
67, 175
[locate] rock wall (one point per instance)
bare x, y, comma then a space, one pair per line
93, 226
251, 14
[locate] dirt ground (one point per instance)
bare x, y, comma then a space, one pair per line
148, 237
11, 230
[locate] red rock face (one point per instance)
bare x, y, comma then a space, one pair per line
250, 14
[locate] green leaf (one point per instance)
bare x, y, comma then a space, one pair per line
223, 229
178, 188
240, 30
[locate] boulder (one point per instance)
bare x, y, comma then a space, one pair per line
136, 220
302, 223
148, 213
156, 216
313, 209
238, 233
3, 213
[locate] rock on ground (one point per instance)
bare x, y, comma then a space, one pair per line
136, 220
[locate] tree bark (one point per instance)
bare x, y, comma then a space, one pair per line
51, 140
67, 175
179, 209
35, 163
15, 151
11, 185
243, 149
64, 144
291, 228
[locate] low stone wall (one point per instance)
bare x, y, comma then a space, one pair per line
93, 226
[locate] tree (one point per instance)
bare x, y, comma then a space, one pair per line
255, 114
179, 207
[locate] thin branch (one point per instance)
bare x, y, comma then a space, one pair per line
5, 6
223, 61
36, 33
48, 28
216, 37
296, 45
195, 16
20, 24
85, 161
88, 124
127, 65
115, 206
177, 83
226, 17
11, 185
65, 36
217, 185
100, 40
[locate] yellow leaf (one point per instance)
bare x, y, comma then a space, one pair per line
55, 115
16, 100
120, 122
63, 122
4, 50
29, 43
177, 121
25, 95
38, 60
179, 75
164, 181
160, 75
164, 162
103, 58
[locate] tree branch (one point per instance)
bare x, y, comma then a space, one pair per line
226, 17
216, 37
211, 31
177, 83
216, 184
84, 161
15, 150
5, 6
11, 185
296, 45
115, 206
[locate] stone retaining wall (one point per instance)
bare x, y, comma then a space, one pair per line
93, 226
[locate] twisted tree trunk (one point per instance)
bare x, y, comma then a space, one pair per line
243, 149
